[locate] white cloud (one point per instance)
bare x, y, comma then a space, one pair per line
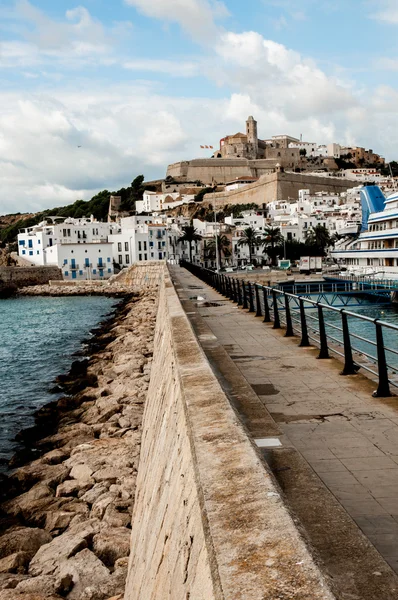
168, 67
277, 77
122, 132
76, 40
195, 16
386, 11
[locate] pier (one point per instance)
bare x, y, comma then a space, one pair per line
329, 443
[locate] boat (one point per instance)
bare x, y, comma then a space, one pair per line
374, 251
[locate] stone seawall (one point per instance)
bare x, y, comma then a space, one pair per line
209, 521
24, 276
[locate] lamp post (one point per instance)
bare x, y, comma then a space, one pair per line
215, 228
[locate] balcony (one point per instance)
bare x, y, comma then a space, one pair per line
74, 267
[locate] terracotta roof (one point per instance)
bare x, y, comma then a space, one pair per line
237, 135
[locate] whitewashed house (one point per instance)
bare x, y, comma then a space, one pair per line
79, 247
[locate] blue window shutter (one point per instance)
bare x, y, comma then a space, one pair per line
23, 251
66, 273
30, 252
94, 271
80, 272
109, 270
21, 242
108, 259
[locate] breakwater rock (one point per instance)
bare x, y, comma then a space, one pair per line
65, 516
83, 289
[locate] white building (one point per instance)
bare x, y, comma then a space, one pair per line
143, 238
79, 247
153, 202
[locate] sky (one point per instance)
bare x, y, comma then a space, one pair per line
94, 93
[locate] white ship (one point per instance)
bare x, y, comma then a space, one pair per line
374, 252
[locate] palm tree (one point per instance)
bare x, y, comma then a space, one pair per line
190, 234
319, 236
272, 238
250, 238
223, 244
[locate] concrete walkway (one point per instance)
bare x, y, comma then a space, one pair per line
348, 438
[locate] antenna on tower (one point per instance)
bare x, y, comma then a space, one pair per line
301, 137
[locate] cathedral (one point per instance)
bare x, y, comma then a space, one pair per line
247, 145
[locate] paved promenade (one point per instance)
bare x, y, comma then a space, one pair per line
349, 439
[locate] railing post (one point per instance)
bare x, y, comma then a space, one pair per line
289, 324
251, 303
240, 301
350, 368
231, 290
245, 305
383, 390
305, 342
267, 316
324, 352
258, 304
277, 322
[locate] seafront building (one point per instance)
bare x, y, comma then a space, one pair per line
79, 247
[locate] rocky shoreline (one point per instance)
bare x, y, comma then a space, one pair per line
65, 516
114, 289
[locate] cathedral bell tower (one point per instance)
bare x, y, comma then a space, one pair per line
252, 138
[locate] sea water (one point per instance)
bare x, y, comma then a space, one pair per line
38, 336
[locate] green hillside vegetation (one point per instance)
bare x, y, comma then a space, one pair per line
98, 206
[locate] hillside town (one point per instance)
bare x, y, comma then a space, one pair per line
245, 222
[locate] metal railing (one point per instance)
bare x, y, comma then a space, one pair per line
327, 327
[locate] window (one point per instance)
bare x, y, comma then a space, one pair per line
127, 259
120, 259
21, 242
144, 245
23, 251
160, 255
145, 257
139, 247
119, 246
109, 270
108, 259
38, 241
80, 272
37, 251
140, 257
126, 246
94, 271
30, 243
66, 273
30, 252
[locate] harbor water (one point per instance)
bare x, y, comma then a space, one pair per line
38, 336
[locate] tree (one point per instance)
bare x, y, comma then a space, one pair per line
250, 238
131, 194
319, 236
303, 152
223, 244
272, 238
190, 234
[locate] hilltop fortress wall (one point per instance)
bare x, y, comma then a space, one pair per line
272, 184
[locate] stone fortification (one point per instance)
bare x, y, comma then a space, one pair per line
23, 276
220, 170
281, 186
209, 522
